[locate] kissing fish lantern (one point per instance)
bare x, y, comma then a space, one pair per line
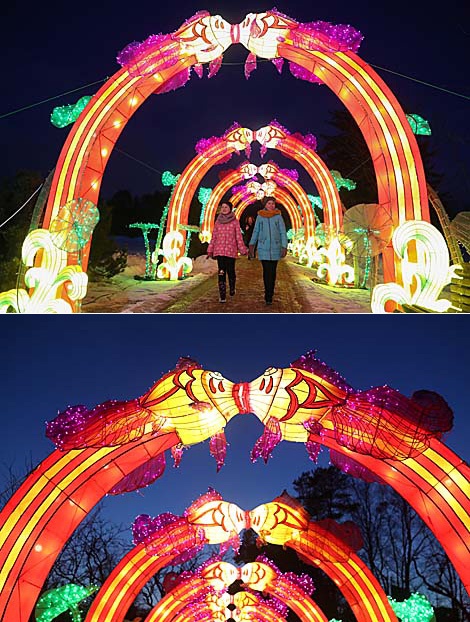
258, 576
193, 402
284, 399
291, 397
205, 36
309, 399
279, 521
221, 521
220, 574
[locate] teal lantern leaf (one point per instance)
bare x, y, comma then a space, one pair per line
65, 115
419, 126
168, 179
61, 599
416, 608
342, 182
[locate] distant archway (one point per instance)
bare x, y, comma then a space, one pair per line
220, 575
328, 545
286, 180
248, 606
241, 202
315, 166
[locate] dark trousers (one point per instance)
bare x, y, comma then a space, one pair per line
226, 267
269, 278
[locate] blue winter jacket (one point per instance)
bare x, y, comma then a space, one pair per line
270, 235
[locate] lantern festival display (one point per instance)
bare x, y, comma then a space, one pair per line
317, 52
327, 544
117, 446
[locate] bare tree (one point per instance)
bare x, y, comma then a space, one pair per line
399, 548
154, 590
11, 479
439, 577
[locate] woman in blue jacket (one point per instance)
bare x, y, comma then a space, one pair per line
270, 236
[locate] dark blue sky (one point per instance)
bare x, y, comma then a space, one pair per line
51, 48
53, 362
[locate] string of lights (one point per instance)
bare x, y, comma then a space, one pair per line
228, 64
23, 206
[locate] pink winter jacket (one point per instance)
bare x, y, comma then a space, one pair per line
227, 240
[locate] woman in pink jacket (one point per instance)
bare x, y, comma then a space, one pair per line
224, 246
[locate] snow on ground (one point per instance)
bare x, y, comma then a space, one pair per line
125, 294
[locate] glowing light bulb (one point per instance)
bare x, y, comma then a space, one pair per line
104, 152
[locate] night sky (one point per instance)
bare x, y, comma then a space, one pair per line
54, 362
52, 48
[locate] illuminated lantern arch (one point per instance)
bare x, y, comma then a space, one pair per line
284, 178
240, 204
116, 447
248, 607
258, 576
216, 150
159, 542
316, 52
275, 136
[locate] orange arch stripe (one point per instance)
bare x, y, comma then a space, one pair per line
280, 195
40, 517
342, 565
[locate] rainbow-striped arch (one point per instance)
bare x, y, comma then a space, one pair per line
241, 202
379, 429
278, 175
281, 521
248, 606
220, 575
274, 136
203, 39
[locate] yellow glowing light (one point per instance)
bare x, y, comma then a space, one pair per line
134, 101
334, 266
309, 252
94, 184
424, 280
220, 574
38, 548
173, 262
117, 123
280, 521
45, 282
104, 152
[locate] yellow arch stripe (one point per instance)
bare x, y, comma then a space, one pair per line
136, 566
403, 138
389, 139
78, 133
45, 505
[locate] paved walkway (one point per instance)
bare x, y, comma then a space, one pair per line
295, 293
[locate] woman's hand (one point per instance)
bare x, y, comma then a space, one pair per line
283, 252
